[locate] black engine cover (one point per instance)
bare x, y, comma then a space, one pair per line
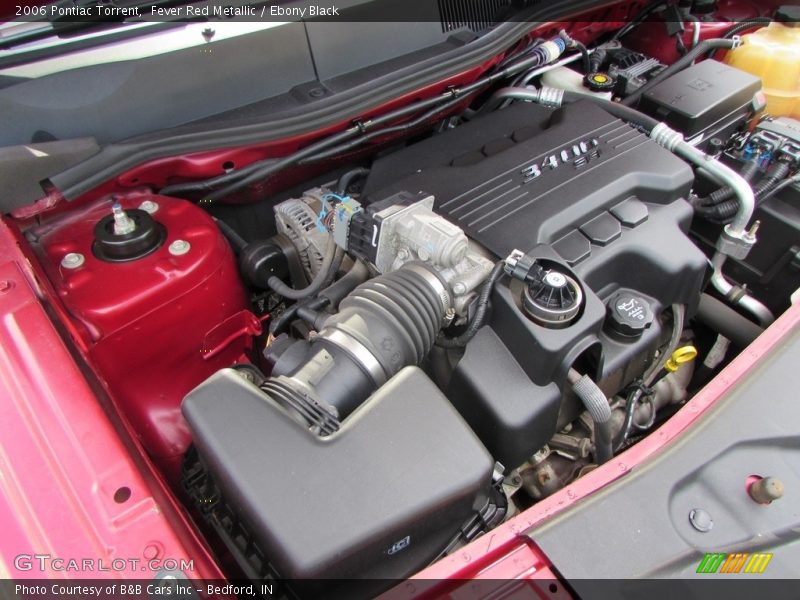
526, 174
576, 186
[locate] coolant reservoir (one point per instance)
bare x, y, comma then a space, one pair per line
773, 54
565, 78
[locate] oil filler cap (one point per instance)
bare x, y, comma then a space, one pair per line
629, 315
127, 235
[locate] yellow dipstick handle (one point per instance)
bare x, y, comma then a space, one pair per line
682, 355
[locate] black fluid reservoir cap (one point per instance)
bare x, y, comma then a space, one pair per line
143, 236
788, 15
629, 315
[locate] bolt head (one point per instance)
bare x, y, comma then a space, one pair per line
179, 247
459, 288
73, 260
149, 206
701, 520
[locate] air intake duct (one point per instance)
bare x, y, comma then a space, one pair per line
385, 324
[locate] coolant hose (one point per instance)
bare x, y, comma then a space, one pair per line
679, 65
598, 408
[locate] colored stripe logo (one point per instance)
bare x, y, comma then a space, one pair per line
738, 562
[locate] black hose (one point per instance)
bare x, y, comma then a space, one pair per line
357, 275
481, 311
313, 317
207, 185
347, 178
627, 423
721, 318
330, 296
638, 19
403, 127
276, 285
597, 59
678, 65
281, 322
781, 186
748, 171
237, 242
626, 113
584, 56
743, 26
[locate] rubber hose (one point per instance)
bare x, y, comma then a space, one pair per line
597, 59
722, 319
357, 275
401, 306
347, 178
743, 26
598, 408
626, 113
680, 64
237, 242
207, 185
584, 56
281, 322
316, 284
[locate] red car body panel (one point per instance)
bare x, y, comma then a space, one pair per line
63, 461
130, 317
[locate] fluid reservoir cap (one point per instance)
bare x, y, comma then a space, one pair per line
114, 244
629, 314
788, 15
599, 82
553, 299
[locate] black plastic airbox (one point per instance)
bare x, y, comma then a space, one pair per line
380, 498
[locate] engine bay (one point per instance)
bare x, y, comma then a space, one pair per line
435, 332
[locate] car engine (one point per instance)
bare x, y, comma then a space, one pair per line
434, 334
